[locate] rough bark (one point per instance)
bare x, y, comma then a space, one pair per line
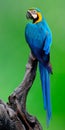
13, 115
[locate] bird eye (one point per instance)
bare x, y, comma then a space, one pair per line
34, 11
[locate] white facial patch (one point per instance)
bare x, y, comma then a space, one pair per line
34, 16
33, 13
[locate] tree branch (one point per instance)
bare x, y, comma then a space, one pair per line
15, 110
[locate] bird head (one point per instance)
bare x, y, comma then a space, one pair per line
34, 15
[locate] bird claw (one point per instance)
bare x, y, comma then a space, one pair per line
49, 68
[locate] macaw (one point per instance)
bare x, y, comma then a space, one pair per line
39, 38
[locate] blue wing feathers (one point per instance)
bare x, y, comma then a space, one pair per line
48, 42
35, 35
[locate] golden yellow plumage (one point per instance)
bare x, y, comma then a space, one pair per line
39, 17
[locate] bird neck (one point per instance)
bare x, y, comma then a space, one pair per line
38, 19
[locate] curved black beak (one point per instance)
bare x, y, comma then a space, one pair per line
29, 15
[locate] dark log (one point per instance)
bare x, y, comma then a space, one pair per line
13, 115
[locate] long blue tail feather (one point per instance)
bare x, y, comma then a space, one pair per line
45, 81
42, 75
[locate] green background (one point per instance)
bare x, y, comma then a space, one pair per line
14, 54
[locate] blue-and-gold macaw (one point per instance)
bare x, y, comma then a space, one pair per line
39, 38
